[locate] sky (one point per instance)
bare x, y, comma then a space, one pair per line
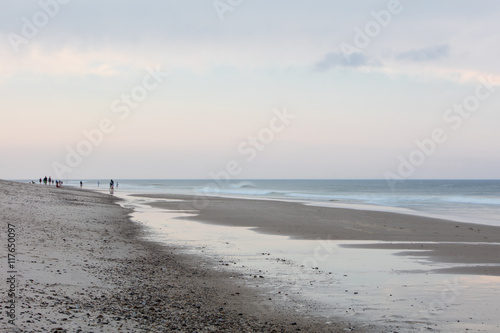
240, 89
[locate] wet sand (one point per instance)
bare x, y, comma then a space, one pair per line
83, 266
440, 240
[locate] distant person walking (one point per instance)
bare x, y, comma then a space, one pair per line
50, 180
111, 187
45, 180
81, 184
40, 181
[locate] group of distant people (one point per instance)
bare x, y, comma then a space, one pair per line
50, 181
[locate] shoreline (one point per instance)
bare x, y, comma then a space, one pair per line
235, 209
440, 240
457, 214
83, 265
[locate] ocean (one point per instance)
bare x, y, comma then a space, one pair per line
475, 201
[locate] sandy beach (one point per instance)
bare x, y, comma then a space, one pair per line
82, 266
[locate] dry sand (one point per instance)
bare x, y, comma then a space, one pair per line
443, 240
82, 266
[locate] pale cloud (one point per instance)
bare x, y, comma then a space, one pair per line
455, 75
425, 63
67, 62
336, 60
125, 36
426, 54
121, 59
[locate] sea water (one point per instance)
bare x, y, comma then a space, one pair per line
476, 201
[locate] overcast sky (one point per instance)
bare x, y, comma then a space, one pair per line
253, 88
